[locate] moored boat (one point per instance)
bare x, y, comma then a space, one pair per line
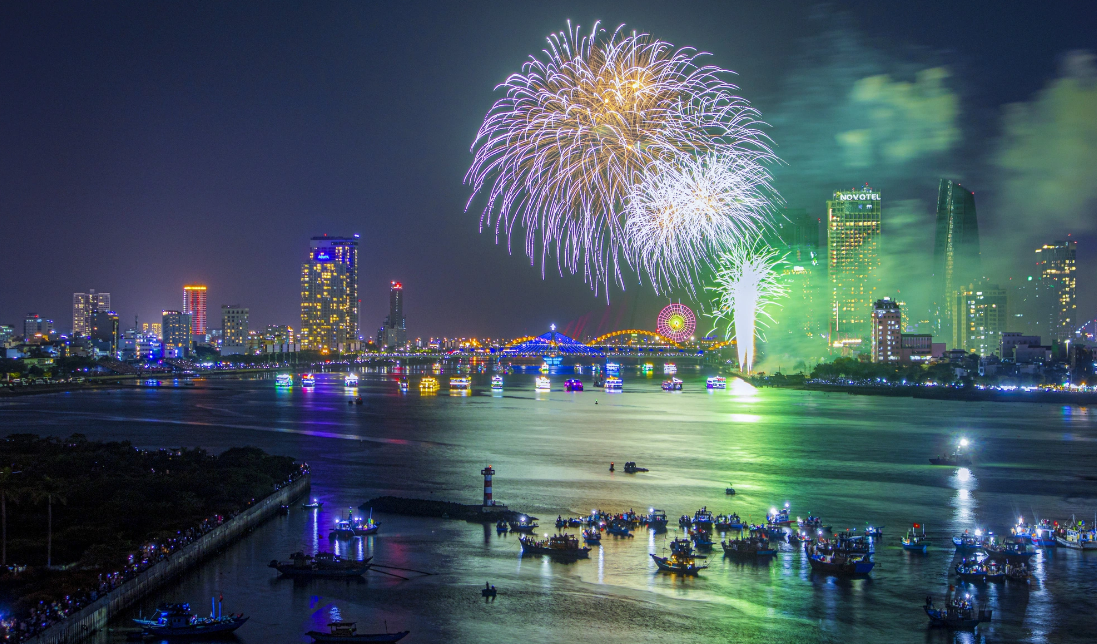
428, 384
841, 564
970, 542
777, 517
323, 565
1077, 539
460, 383
703, 519
1011, 549
313, 505
914, 542
593, 536
523, 524
975, 571
956, 459
348, 632
958, 614
178, 621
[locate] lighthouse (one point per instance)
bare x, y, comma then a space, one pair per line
487, 472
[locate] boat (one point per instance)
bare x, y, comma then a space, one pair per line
366, 527
1018, 572
657, 520
703, 519
592, 536
403, 384
350, 380
681, 560
716, 382
308, 380
749, 548
841, 564
702, 539
488, 591
975, 571
631, 468
970, 542
542, 384
177, 620
323, 565
283, 509
1043, 534
461, 383
523, 524
612, 368
777, 517
314, 505
573, 384
618, 528
1078, 539
428, 384
915, 542
728, 522
670, 368
497, 382
613, 383
874, 532
348, 632
958, 614
674, 384
956, 459
283, 380
563, 546
344, 529
501, 526
1009, 549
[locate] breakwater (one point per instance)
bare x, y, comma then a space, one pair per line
96, 615
437, 509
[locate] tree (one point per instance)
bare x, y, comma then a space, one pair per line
48, 490
7, 489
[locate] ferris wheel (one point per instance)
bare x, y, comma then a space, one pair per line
677, 322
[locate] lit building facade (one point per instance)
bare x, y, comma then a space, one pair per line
104, 332
234, 330
956, 259
1056, 263
343, 250
394, 332
887, 327
176, 334
325, 303
35, 325
83, 305
853, 263
979, 318
194, 303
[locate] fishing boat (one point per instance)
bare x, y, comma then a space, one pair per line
841, 564
703, 519
956, 459
343, 529
542, 384
497, 382
323, 565
1078, 538
618, 528
1018, 572
958, 614
702, 539
632, 468
1043, 534
523, 524
460, 383
366, 527
592, 536
874, 532
563, 546
975, 571
1011, 549
314, 505
283, 380
308, 380
777, 517
670, 368
613, 383
681, 560
348, 632
970, 542
573, 384
428, 384
915, 542
673, 384
716, 382
657, 520
729, 491
750, 548
501, 526
728, 522
177, 620
350, 380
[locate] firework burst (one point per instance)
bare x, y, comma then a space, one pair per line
689, 209
746, 286
578, 128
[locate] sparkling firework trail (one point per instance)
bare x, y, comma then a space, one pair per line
689, 209
578, 129
746, 286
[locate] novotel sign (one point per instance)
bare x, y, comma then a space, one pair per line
322, 255
858, 196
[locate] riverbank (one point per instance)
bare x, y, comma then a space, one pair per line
971, 394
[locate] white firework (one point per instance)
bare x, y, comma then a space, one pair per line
578, 128
747, 285
689, 209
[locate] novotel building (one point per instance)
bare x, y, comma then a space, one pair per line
329, 294
853, 262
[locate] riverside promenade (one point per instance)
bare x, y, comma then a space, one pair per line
95, 616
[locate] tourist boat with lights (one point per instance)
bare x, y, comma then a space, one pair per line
716, 382
348, 632
350, 380
314, 505
612, 368
563, 546
914, 542
673, 384
461, 383
428, 384
343, 529
283, 380
670, 368
179, 621
777, 517
681, 560
324, 565
308, 380
497, 382
542, 384
403, 384
573, 384
613, 383
647, 368
958, 614
974, 571
1009, 549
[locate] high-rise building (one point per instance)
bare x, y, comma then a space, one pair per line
194, 303
394, 332
325, 303
234, 330
979, 318
177, 334
104, 332
6, 333
36, 325
853, 262
1056, 263
83, 305
345, 251
956, 260
154, 329
887, 327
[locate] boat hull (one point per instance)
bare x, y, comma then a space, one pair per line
1077, 545
916, 547
317, 636
195, 632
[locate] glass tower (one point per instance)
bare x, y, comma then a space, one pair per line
853, 263
325, 303
1056, 262
955, 254
345, 251
194, 303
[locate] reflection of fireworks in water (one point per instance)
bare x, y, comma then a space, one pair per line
688, 209
578, 128
746, 285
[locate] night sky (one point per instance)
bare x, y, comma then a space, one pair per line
147, 145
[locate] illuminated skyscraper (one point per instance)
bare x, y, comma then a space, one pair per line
853, 262
325, 303
83, 306
979, 318
887, 329
955, 251
1056, 264
394, 332
194, 303
345, 251
234, 330
177, 334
